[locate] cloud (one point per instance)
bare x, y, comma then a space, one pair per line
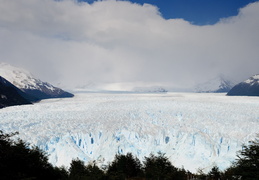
119, 42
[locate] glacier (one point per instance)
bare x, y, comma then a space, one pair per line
194, 130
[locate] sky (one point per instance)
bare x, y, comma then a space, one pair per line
121, 44
199, 12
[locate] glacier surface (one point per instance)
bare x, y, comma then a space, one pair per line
194, 130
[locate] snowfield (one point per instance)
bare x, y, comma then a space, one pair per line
194, 130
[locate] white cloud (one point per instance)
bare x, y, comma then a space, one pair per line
117, 41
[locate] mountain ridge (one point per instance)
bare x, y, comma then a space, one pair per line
10, 95
216, 85
249, 87
32, 86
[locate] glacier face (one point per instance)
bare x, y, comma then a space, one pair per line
194, 130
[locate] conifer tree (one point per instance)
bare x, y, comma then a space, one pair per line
124, 166
214, 173
159, 168
18, 161
247, 165
77, 170
94, 172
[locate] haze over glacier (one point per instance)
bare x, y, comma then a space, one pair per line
194, 130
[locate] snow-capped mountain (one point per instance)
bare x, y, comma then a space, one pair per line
216, 85
249, 87
29, 84
10, 95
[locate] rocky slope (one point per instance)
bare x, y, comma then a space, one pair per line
31, 85
249, 87
11, 95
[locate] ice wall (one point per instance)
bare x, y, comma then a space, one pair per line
194, 130
190, 150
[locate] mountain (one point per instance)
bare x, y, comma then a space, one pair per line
249, 87
10, 95
30, 85
216, 85
153, 89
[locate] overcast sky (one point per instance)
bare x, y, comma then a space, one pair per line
122, 42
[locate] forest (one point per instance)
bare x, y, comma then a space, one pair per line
20, 161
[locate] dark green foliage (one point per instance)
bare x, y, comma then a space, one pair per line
160, 168
78, 171
61, 173
214, 173
230, 174
247, 165
201, 175
18, 161
94, 172
124, 167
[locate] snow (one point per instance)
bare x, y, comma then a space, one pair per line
3, 96
253, 80
194, 130
17, 76
213, 85
22, 78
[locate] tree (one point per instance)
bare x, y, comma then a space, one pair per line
124, 166
18, 161
77, 170
214, 173
200, 174
230, 173
247, 165
94, 172
159, 168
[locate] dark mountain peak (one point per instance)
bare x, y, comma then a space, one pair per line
32, 86
10, 95
249, 87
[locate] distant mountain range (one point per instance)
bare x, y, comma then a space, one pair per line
18, 86
217, 85
153, 89
249, 87
32, 89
